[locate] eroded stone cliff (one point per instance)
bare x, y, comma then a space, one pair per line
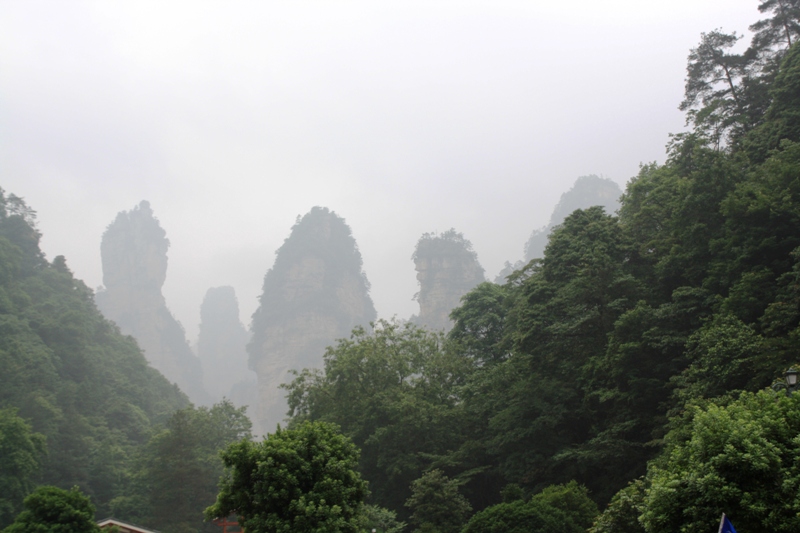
447, 269
134, 255
314, 294
221, 344
587, 191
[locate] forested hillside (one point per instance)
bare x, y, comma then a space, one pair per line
80, 407
80, 384
608, 358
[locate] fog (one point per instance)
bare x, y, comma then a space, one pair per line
233, 118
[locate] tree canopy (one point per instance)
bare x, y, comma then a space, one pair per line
296, 480
54, 510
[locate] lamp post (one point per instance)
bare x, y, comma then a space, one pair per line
791, 382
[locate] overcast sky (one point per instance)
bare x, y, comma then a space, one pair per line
232, 118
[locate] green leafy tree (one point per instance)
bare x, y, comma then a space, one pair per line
714, 95
541, 421
380, 520
394, 392
727, 355
521, 517
176, 476
782, 117
436, 504
297, 480
622, 513
742, 459
21, 454
479, 323
782, 29
573, 499
54, 510
564, 508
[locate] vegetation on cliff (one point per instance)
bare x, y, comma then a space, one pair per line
447, 269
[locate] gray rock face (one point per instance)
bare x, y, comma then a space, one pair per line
314, 294
447, 269
587, 191
221, 345
134, 255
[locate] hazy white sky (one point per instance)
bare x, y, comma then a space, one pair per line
232, 118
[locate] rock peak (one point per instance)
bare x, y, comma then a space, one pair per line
315, 293
134, 256
447, 269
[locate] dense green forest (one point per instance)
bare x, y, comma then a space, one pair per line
629, 354
620, 383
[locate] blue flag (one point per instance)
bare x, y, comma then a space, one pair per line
725, 525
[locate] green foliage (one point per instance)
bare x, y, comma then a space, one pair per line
300, 480
622, 513
521, 517
54, 510
392, 391
450, 243
540, 421
380, 520
177, 472
436, 504
715, 95
21, 455
68, 371
557, 508
782, 29
741, 459
479, 324
727, 355
571, 498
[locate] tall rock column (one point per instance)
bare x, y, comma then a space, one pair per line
315, 293
447, 269
134, 255
221, 347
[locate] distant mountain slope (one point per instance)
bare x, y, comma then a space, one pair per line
69, 371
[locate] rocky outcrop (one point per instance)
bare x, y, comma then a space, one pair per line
447, 269
587, 191
134, 254
314, 294
222, 347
